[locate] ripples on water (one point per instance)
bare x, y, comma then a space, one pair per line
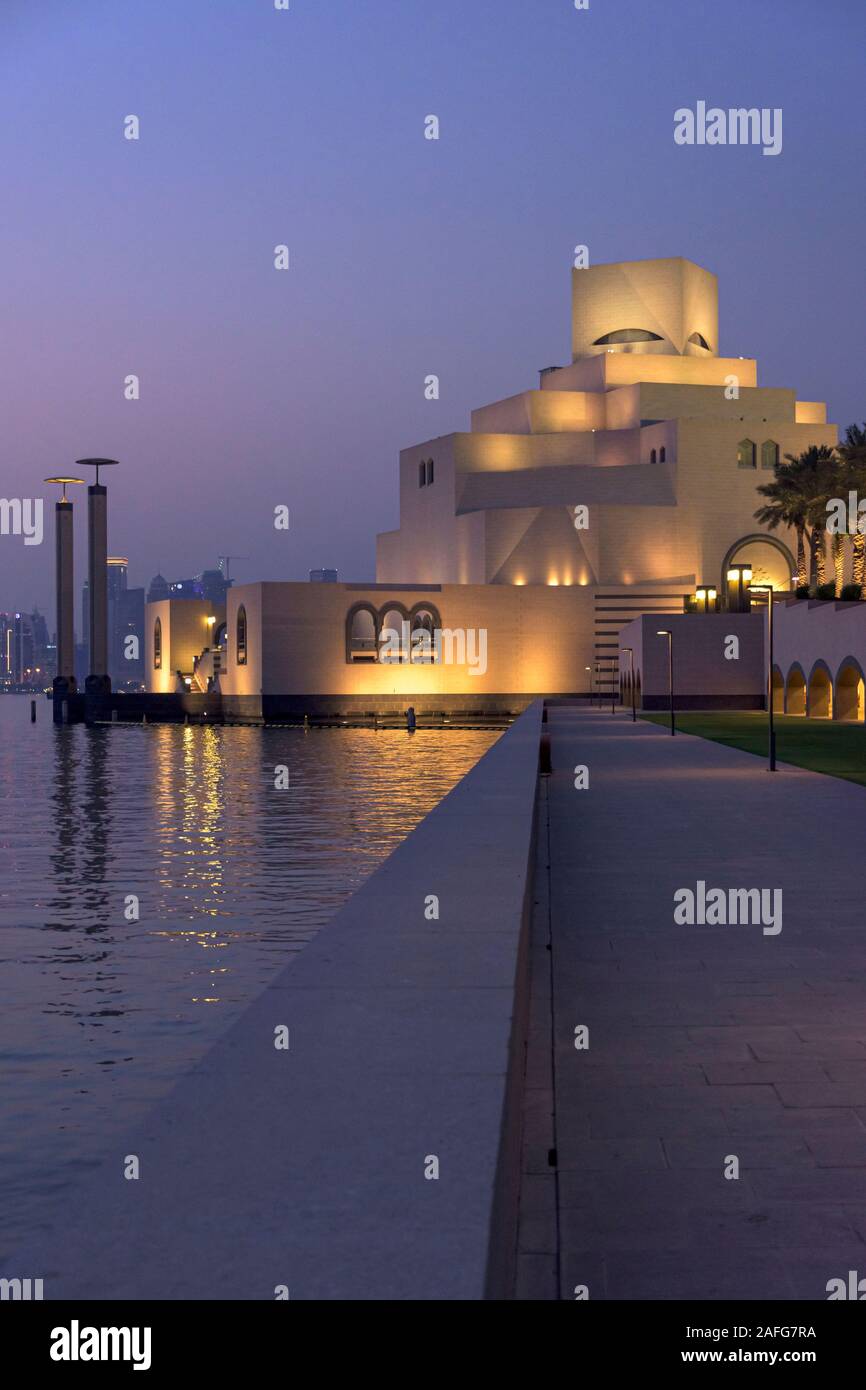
100, 1015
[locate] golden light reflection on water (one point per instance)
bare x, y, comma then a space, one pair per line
104, 1013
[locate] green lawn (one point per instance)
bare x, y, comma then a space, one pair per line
821, 745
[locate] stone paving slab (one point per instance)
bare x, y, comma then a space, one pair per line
706, 1042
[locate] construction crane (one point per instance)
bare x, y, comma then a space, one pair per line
225, 564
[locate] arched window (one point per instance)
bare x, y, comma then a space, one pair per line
361, 644
628, 335
663, 453
653, 456
429, 472
699, 341
241, 646
424, 620
769, 453
157, 645
391, 637
746, 454
422, 473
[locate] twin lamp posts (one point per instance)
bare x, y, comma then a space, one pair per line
740, 590
98, 681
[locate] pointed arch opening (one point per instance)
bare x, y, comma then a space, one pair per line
820, 696
849, 701
795, 692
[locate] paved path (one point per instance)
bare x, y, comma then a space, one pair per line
706, 1043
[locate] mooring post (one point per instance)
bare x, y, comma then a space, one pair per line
32, 711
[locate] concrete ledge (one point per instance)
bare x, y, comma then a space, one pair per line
698, 702
306, 1167
131, 707
293, 707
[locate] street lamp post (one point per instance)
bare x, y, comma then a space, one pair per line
98, 682
631, 678
771, 731
64, 680
666, 632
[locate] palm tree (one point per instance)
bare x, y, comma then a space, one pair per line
787, 506
831, 482
801, 487
852, 455
838, 553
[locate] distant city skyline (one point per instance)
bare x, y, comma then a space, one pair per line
408, 257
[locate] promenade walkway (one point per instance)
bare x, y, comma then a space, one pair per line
710, 1047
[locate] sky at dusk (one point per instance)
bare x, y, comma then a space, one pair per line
408, 256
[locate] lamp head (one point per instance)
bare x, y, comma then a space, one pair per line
64, 481
97, 464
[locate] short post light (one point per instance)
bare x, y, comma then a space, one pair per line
706, 599
739, 579
631, 678
666, 632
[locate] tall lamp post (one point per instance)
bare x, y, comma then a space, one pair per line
64, 680
614, 683
631, 678
98, 681
666, 632
771, 750
589, 669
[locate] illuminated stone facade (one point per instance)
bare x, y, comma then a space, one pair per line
626, 479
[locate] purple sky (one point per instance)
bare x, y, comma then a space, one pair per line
408, 256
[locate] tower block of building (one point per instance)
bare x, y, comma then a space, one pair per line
630, 473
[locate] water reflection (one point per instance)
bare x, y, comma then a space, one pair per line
232, 876
95, 814
64, 816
